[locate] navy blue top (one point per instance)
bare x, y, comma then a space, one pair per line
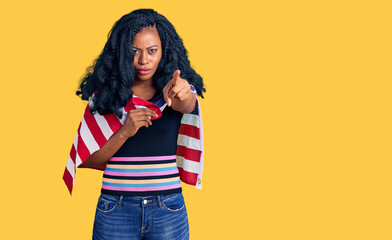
146, 177
158, 139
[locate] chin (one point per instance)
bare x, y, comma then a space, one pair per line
144, 77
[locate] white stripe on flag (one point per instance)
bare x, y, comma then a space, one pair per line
189, 142
78, 161
190, 119
124, 116
179, 161
139, 107
71, 167
90, 102
103, 125
190, 166
88, 138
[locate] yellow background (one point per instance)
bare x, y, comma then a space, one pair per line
297, 116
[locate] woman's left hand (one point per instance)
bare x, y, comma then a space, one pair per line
177, 92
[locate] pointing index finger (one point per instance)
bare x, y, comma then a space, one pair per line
176, 76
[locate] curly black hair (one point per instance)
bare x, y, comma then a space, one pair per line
111, 76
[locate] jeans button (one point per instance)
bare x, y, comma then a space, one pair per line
145, 201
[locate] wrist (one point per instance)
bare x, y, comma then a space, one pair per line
186, 105
122, 134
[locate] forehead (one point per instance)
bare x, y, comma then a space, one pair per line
146, 37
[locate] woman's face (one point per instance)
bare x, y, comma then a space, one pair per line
148, 52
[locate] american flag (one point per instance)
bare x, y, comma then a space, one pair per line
95, 130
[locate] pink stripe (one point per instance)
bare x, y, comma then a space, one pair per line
154, 158
141, 189
140, 173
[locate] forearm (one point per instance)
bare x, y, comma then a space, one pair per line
107, 151
185, 106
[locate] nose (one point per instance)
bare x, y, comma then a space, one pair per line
143, 59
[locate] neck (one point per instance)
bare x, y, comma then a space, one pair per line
143, 83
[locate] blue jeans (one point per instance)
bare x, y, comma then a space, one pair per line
161, 217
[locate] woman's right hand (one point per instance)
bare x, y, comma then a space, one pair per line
136, 119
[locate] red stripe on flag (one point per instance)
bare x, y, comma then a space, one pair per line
141, 102
188, 177
82, 149
113, 121
94, 128
73, 154
188, 153
129, 106
67, 177
189, 130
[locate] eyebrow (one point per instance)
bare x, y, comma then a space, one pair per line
148, 47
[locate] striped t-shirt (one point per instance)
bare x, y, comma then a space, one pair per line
146, 163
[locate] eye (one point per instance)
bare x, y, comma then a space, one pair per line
153, 50
135, 51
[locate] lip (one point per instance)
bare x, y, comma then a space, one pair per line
143, 71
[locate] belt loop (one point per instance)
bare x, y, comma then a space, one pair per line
159, 201
120, 201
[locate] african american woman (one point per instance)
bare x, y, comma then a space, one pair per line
142, 127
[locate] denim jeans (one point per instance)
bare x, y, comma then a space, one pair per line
161, 217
